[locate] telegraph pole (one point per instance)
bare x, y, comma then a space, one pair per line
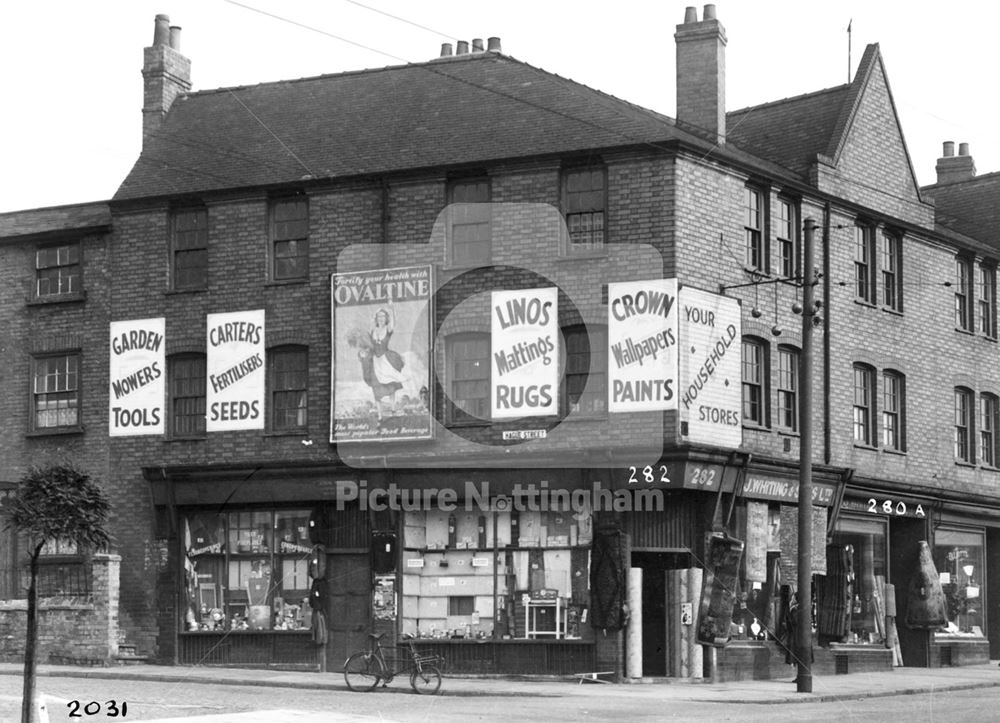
803, 642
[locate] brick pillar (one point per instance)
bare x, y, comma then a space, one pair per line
105, 589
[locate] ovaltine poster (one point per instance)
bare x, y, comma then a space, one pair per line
525, 345
642, 345
137, 374
711, 382
381, 355
235, 368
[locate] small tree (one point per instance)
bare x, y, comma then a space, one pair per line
57, 502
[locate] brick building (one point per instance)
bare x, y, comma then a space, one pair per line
475, 173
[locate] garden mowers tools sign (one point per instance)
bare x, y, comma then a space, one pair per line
137, 377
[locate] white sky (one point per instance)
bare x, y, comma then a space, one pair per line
70, 71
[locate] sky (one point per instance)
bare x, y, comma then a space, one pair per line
70, 72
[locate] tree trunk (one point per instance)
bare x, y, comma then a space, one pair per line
31, 642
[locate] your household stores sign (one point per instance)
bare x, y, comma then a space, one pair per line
235, 371
137, 381
525, 363
642, 345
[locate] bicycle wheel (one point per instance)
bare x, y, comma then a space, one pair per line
426, 681
362, 671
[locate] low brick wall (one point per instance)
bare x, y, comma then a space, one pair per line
70, 630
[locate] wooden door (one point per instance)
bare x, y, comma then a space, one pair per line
348, 580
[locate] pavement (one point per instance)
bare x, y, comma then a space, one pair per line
900, 681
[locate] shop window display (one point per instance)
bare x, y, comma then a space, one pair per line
851, 596
471, 574
959, 560
246, 570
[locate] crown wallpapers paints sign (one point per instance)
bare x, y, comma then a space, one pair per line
642, 345
524, 368
235, 372
710, 389
137, 377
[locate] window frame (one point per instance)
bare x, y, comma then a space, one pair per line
755, 229
986, 300
893, 409
72, 247
891, 270
457, 415
761, 384
787, 236
965, 429
188, 242
76, 399
297, 239
865, 290
989, 417
276, 376
596, 336
788, 388
964, 297
598, 205
199, 431
865, 429
462, 213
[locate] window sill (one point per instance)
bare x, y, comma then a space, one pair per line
963, 463
897, 452
458, 269
185, 438
868, 447
756, 427
287, 433
788, 433
301, 280
582, 255
864, 302
184, 292
464, 424
585, 417
58, 299
967, 332
54, 432
893, 312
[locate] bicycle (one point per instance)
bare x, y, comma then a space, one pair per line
365, 669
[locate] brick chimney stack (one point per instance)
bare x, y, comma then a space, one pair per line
951, 168
166, 74
701, 75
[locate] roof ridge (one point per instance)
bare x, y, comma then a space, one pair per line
789, 99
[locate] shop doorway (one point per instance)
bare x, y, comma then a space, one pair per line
905, 535
658, 624
993, 590
348, 580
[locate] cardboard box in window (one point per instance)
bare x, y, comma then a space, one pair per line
437, 529
260, 617
557, 524
531, 526
415, 535
432, 607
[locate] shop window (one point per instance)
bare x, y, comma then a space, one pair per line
755, 389
481, 574
864, 405
290, 239
893, 411
187, 395
586, 387
856, 571
246, 570
58, 271
963, 294
56, 393
864, 263
964, 430
289, 379
959, 559
583, 204
753, 226
469, 222
190, 248
468, 369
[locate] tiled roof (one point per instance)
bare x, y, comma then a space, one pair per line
970, 207
789, 132
55, 219
466, 110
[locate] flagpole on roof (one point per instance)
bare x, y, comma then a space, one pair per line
849, 23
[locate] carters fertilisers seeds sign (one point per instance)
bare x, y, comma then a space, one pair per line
235, 366
525, 364
710, 386
642, 345
381, 355
138, 382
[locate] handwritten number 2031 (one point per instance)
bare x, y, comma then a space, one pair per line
648, 475
94, 707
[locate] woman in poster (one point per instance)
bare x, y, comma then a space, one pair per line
381, 367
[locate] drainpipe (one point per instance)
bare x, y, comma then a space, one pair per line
826, 313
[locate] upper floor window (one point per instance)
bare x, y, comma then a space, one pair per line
786, 231
754, 382
963, 294
58, 270
893, 408
584, 204
864, 405
290, 239
289, 372
864, 263
989, 405
892, 277
469, 222
468, 369
788, 388
190, 248
187, 395
964, 429
988, 301
586, 386
56, 392
753, 224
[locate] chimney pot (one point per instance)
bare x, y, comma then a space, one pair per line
963, 149
175, 37
161, 30
701, 76
493, 44
709, 13
445, 50
949, 149
477, 45
463, 47
690, 14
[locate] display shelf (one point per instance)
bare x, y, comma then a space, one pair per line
547, 611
